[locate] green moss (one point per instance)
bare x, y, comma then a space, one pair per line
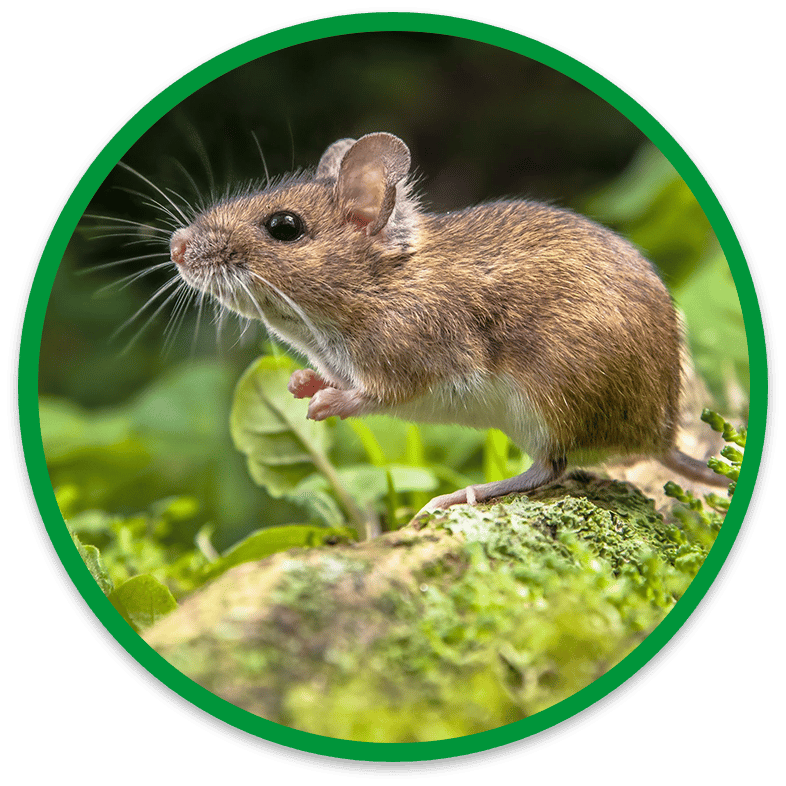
485, 616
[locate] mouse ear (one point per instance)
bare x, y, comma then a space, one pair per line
327, 169
367, 179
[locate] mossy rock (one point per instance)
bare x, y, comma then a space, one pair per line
481, 617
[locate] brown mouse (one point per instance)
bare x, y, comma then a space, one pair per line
512, 315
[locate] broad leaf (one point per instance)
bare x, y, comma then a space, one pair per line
142, 601
269, 426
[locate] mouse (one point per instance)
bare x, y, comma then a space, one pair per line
512, 314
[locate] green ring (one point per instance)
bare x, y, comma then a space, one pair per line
31, 341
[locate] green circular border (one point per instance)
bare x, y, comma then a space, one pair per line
31, 341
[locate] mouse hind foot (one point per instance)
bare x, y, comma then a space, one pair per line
539, 474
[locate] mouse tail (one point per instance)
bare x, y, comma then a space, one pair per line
692, 468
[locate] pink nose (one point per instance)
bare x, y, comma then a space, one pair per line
178, 245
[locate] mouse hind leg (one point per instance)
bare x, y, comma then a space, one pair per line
541, 472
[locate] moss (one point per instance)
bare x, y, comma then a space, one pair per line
484, 616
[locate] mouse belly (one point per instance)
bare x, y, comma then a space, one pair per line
480, 402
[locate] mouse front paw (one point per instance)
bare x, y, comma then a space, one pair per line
332, 401
304, 383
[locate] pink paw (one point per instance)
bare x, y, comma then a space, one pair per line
325, 403
304, 383
332, 401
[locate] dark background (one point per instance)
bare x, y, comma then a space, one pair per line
710, 715
481, 122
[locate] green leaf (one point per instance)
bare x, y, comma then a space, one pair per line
450, 445
369, 484
92, 559
414, 456
282, 447
142, 600
495, 456
264, 542
313, 494
369, 441
270, 428
416, 450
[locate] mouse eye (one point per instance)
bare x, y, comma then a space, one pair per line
285, 226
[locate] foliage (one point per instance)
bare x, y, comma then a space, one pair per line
141, 600
143, 570
170, 440
692, 511
289, 455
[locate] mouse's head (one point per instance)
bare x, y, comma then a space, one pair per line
304, 244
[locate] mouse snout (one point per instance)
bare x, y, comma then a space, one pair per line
178, 244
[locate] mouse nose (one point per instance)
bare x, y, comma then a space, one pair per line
178, 244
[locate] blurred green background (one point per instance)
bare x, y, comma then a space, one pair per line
131, 419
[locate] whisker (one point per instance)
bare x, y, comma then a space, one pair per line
247, 321
200, 306
126, 281
148, 201
125, 261
140, 241
152, 317
262, 156
204, 159
126, 221
177, 318
292, 143
185, 202
218, 320
200, 203
126, 233
156, 188
160, 291
295, 307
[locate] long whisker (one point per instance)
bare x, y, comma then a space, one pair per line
245, 324
137, 224
160, 291
205, 160
194, 186
219, 316
187, 204
177, 318
250, 296
127, 233
148, 201
126, 281
125, 261
246, 321
292, 142
153, 316
200, 306
156, 188
295, 307
262, 156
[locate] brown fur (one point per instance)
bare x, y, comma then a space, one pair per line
563, 307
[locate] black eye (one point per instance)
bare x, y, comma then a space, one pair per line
285, 226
